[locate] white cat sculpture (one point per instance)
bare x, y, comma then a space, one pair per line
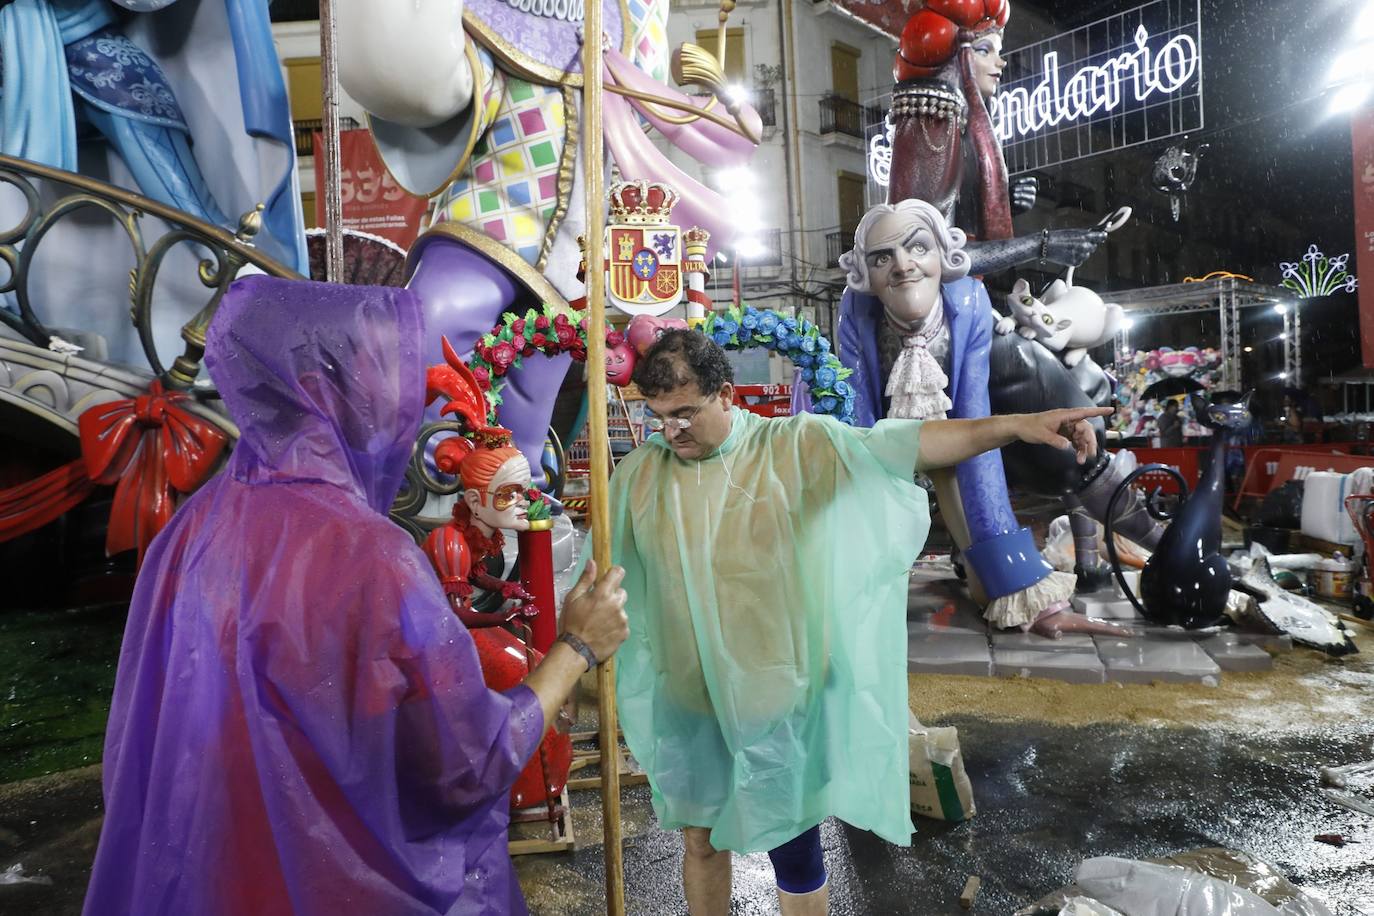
1070, 320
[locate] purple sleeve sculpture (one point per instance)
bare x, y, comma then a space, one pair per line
516, 229
299, 721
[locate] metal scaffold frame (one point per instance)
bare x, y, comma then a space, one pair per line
1227, 296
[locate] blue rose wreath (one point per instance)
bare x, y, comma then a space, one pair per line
800, 341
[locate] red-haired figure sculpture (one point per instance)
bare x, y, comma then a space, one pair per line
496, 485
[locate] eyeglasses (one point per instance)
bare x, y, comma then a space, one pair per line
677, 424
507, 496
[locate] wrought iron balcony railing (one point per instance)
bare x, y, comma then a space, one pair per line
221, 255
842, 116
837, 243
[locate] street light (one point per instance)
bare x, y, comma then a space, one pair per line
1352, 70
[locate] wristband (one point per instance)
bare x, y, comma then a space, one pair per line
580, 647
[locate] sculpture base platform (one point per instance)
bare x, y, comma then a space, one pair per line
1107, 604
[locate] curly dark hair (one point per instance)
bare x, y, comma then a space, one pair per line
680, 358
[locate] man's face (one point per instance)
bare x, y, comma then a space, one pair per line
709, 416
903, 266
988, 63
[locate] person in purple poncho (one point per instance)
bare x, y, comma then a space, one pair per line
300, 724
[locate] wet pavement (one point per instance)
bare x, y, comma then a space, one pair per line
1166, 768
1060, 771
1047, 797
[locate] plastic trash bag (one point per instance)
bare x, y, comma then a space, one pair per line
15, 875
1058, 550
1082, 906
1225, 867
1144, 889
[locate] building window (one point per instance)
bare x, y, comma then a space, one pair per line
304, 87
844, 71
734, 51
850, 189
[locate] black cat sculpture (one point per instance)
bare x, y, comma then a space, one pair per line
1186, 581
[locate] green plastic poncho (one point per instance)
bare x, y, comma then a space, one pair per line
763, 686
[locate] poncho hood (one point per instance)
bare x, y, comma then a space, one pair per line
323, 387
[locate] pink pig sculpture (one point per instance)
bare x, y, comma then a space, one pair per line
644, 330
620, 359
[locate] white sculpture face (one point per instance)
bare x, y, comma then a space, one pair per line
988, 63
505, 505
903, 260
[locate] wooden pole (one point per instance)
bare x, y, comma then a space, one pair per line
333, 197
593, 163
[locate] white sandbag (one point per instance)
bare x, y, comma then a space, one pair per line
1323, 507
1142, 889
940, 788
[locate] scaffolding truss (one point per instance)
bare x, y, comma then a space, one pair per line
1227, 296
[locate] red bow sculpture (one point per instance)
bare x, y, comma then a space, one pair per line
150, 445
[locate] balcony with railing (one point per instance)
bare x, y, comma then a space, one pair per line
837, 243
843, 118
305, 133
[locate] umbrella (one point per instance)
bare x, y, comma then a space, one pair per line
1171, 387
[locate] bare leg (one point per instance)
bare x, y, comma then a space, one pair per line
705, 874
952, 511
816, 903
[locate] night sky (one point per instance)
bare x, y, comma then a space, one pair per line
1276, 177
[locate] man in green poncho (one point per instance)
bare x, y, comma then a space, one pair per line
763, 686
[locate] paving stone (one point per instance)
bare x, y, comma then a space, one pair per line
1145, 659
1069, 642
1273, 642
1105, 604
948, 653
1072, 658
1232, 653
939, 601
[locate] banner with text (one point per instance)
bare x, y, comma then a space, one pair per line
372, 201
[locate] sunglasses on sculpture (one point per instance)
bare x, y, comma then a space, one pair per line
507, 496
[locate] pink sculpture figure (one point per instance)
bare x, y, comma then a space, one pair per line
645, 330
620, 359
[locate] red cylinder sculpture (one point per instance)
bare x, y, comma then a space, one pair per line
536, 576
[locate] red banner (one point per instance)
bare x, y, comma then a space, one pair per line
1362, 133
372, 200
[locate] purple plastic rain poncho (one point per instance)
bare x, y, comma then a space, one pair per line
300, 724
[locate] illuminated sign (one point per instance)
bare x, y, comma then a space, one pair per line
880, 155
1317, 275
1132, 77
